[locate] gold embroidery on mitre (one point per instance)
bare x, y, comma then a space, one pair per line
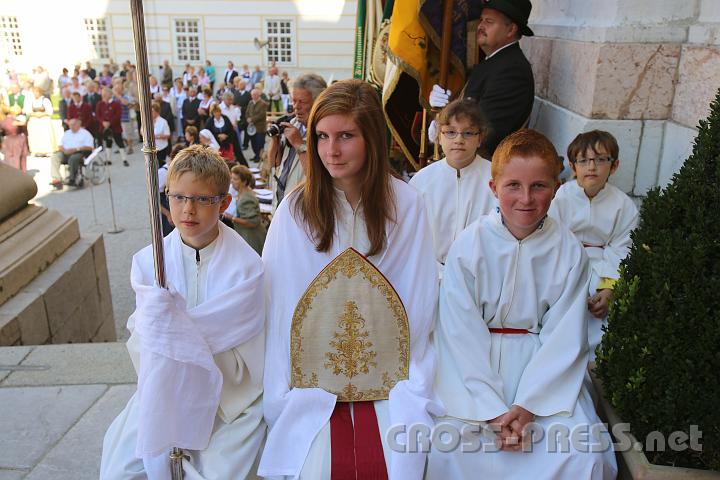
352, 354
349, 331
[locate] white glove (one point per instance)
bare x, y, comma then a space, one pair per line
439, 97
433, 132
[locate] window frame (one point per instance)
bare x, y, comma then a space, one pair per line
176, 39
10, 36
94, 35
272, 38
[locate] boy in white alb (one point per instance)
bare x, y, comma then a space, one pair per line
600, 215
455, 189
511, 335
198, 346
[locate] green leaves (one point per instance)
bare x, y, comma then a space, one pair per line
659, 359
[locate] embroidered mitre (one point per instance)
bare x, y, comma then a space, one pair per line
350, 334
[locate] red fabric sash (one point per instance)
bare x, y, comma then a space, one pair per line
356, 452
511, 331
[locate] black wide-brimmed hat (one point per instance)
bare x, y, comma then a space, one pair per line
516, 10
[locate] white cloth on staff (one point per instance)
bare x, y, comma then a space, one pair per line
299, 439
492, 280
199, 352
603, 226
454, 199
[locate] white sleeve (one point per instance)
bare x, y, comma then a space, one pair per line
466, 381
551, 381
619, 245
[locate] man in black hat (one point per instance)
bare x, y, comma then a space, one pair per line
503, 82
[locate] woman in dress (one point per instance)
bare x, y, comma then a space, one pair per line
349, 202
41, 136
245, 217
221, 127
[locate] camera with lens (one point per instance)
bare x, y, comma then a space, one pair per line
275, 129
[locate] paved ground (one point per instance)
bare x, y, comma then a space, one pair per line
57, 401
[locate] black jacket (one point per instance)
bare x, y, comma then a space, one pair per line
241, 98
190, 111
92, 99
166, 113
504, 87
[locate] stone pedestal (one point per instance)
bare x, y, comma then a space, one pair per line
54, 285
645, 70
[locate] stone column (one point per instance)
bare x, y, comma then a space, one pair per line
645, 70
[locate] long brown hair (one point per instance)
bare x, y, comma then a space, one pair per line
316, 203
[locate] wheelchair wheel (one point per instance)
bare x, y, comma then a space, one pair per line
95, 172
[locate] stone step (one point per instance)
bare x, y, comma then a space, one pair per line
30, 247
68, 302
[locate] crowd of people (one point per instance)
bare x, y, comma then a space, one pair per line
468, 300
503, 289
230, 113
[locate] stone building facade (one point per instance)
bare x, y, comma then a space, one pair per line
645, 70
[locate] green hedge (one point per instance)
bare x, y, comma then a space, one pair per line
659, 359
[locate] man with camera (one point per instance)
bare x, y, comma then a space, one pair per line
287, 152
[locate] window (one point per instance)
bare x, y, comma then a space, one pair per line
96, 29
10, 36
279, 35
187, 40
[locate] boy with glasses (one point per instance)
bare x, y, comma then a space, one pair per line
198, 347
455, 189
600, 215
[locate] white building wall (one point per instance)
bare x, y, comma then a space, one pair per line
323, 36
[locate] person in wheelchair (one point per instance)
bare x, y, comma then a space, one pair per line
76, 144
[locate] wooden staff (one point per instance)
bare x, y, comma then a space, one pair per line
444, 58
151, 169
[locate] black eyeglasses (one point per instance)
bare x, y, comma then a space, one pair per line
204, 200
466, 135
598, 161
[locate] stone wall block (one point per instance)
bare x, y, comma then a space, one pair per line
70, 289
677, 147
698, 82
572, 75
106, 332
73, 329
648, 163
538, 51
635, 81
9, 330
29, 311
103, 281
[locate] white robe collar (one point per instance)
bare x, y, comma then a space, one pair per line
179, 383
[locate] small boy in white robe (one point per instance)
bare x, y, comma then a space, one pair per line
455, 189
198, 346
600, 215
511, 336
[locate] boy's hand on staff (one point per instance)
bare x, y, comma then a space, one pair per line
599, 303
